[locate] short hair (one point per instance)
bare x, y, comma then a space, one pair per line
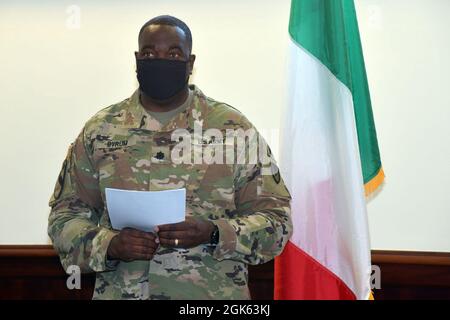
167, 20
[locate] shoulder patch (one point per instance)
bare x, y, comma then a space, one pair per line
62, 176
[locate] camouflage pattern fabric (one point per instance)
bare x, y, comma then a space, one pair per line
123, 147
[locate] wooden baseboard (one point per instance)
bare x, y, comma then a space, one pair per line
34, 272
409, 275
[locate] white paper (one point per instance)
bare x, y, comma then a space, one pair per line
144, 210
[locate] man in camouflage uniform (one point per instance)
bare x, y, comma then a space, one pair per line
235, 213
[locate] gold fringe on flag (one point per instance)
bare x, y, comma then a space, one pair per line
371, 186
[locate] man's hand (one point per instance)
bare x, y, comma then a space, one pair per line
187, 234
131, 244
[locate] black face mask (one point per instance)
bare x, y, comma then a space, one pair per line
161, 79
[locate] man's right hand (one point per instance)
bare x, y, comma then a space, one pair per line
131, 244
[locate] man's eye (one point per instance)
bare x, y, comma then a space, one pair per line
174, 55
148, 54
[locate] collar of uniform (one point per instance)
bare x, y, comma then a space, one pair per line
195, 112
135, 111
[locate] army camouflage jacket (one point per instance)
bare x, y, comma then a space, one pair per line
123, 147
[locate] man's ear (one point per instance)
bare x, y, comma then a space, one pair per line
136, 56
191, 63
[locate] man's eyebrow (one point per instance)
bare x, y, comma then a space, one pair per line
151, 46
175, 47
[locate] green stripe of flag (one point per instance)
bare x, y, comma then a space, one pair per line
328, 29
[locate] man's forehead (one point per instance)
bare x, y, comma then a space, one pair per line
161, 33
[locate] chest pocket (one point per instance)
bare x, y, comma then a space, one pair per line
209, 186
173, 168
121, 163
215, 190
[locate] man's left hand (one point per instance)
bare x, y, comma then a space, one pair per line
187, 234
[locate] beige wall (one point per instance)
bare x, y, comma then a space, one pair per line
54, 76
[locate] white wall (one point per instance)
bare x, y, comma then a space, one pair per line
54, 77
407, 46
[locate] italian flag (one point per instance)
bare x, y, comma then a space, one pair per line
330, 158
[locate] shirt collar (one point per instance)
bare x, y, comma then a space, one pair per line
196, 111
